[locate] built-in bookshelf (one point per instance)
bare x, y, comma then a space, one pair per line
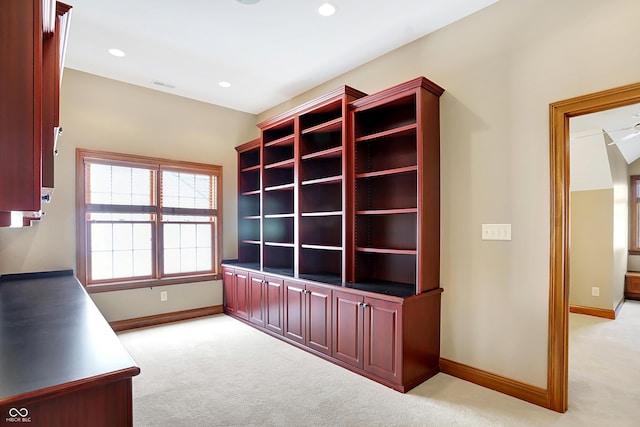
339, 231
395, 203
345, 189
249, 203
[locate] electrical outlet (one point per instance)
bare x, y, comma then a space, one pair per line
163, 296
595, 291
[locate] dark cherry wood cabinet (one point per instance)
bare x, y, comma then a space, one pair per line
61, 364
236, 292
339, 208
32, 45
348, 332
307, 316
256, 298
229, 293
266, 302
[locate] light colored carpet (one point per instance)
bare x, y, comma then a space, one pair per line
217, 371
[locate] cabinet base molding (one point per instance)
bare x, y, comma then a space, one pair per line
593, 311
529, 393
159, 319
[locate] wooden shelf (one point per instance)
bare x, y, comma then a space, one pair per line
395, 171
387, 211
252, 242
322, 247
251, 169
388, 132
328, 153
284, 215
251, 193
321, 214
387, 251
279, 244
289, 186
327, 180
285, 140
287, 163
334, 125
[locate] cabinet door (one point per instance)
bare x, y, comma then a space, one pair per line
318, 318
294, 312
382, 339
273, 305
229, 288
347, 328
242, 294
20, 105
256, 291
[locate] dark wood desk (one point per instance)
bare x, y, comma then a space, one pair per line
61, 364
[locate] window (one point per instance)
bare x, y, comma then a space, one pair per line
634, 215
145, 222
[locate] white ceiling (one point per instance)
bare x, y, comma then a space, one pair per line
618, 123
269, 52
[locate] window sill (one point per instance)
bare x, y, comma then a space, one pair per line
120, 286
634, 251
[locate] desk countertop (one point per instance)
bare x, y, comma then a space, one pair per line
54, 338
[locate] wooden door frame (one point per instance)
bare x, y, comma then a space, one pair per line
559, 115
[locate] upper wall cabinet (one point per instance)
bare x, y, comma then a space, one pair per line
33, 35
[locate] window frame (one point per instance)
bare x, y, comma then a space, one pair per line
158, 165
634, 212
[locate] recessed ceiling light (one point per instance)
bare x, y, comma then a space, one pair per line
247, 1
224, 84
116, 52
327, 9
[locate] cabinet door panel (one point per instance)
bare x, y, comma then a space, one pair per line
294, 312
20, 105
382, 348
347, 328
229, 286
242, 295
273, 308
256, 290
319, 319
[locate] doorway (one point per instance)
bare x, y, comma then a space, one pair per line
559, 114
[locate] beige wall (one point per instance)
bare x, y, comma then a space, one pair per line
591, 261
103, 114
599, 222
501, 68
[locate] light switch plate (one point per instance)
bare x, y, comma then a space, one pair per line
496, 231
